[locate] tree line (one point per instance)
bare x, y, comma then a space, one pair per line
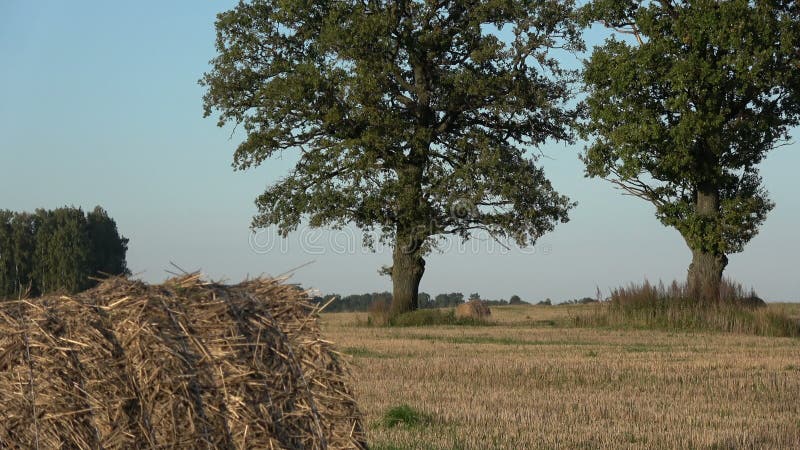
415, 119
58, 250
363, 302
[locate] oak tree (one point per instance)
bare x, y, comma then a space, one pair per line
411, 119
683, 110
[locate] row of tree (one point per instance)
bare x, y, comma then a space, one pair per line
352, 303
362, 302
416, 119
57, 250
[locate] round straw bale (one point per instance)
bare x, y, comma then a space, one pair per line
473, 309
186, 364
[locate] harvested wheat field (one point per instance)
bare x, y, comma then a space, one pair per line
186, 364
528, 382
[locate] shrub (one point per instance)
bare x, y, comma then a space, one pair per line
673, 308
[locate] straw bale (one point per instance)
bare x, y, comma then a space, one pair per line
473, 309
186, 364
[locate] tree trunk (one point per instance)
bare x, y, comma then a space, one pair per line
705, 275
705, 271
414, 218
406, 274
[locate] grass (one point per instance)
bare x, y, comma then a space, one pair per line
362, 352
670, 308
378, 316
431, 317
469, 339
519, 384
678, 316
403, 415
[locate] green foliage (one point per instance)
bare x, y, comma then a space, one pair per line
446, 300
62, 255
404, 415
412, 120
499, 302
108, 248
688, 111
364, 302
353, 302
8, 281
57, 250
673, 309
19, 255
576, 301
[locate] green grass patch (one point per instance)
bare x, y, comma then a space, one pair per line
404, 415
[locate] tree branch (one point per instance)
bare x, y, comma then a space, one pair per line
633, 30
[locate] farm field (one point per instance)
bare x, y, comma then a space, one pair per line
528, 382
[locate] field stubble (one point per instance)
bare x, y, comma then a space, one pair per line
525, 383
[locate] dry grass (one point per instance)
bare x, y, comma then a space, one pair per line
186, 364
672, 308
530, 383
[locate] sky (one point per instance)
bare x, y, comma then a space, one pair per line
100, 105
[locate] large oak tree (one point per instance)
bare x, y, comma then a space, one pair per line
683, 111
410, 119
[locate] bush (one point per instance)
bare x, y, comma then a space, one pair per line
672, 308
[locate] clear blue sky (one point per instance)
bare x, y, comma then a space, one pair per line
99, 104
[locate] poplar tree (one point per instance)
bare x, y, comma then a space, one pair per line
7, 283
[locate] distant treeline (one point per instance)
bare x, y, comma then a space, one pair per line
362, 302
58, 250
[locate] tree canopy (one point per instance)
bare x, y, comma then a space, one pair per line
58, 250
410, 119
682, 112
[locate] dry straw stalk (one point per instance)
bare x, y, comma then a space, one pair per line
186, 364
